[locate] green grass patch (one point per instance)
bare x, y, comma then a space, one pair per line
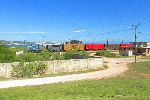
130, 86
141, 67
109, 54
105, 53
6, 55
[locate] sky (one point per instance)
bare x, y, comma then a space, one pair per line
92, 21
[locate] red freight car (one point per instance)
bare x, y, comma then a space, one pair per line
94, 46
88, 46
125, 45
101, 46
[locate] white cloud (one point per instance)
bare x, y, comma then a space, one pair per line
78, 31
23, 32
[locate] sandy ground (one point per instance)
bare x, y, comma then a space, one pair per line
116, 66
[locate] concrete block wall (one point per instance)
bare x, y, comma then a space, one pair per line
59, 66
5, 69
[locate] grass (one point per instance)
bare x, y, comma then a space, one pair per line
109, 54
74, 72
142, 67
129, 86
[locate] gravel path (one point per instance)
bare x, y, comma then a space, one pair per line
115, 67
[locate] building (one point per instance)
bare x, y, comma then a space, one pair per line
143, 48
125, 50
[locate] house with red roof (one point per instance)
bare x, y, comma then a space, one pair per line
126, 50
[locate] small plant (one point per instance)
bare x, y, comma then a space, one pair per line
17, 70
105, 53
46, 55
6, 55
41, 68
105, 66
74, 54
17, 49
56, 56
28, 69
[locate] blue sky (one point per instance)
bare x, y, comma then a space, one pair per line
87, 20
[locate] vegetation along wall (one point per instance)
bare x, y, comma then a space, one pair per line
59, 66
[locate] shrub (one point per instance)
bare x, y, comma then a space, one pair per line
57, 56
6, 55
41, 69
17, 49
105, 53
46, 55
28, 69
17, 70
28, 57
74, 54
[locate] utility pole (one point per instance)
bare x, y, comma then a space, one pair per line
107, 40
24, 42
107, 43
134, 27
122, 41
42, 41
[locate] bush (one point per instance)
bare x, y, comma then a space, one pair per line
5, 58
28, 69
29, 57
73, 54
6, 55
105, 53
17, 49
41, 68
56, 56
46, 55
17, 70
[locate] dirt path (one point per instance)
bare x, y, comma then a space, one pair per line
115, 67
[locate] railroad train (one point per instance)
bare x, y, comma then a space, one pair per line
76, 45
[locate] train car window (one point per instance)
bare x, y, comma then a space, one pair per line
55, 45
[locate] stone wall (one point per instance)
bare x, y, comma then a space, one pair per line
59, 66
5, 69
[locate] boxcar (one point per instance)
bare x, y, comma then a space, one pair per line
55, 47
125, 45
79, 47
88, 47
113, 46
101, 46
94, 46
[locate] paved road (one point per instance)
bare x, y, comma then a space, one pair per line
115, 67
